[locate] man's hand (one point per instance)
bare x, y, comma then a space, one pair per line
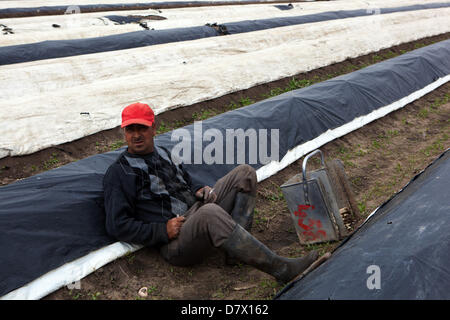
206, 194
173, 227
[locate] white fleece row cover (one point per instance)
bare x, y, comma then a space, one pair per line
89, 25
50, 102
52, 229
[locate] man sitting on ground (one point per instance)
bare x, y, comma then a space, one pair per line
152, 201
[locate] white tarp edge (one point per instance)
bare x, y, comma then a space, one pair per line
35, 122
69, 273
80, 268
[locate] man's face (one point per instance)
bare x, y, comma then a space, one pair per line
139, 138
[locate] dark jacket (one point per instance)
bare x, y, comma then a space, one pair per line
142, 193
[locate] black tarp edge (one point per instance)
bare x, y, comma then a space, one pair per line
73, 47
70, 197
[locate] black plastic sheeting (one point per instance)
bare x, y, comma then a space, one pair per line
263, 24
284, 7
57, 216
133, 19
66, 48
55, 10
407, 239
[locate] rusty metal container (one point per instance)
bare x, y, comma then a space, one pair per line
313, 205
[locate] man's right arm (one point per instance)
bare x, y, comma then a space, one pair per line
120, 221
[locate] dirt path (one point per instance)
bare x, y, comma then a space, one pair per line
379, 159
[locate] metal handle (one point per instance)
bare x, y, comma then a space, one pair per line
305, 182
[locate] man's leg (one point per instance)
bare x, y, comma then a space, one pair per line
212, 227
236, 194
240, 179
243, 246
206, 227
194, 241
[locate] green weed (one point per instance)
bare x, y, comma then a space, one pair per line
376, 58
204, 114
232, 106
116, 145
152, 289
362, 207
95, 296
361, 153
436, 147
246, 101
162, 128
390, 54
423, 113
376, 144
53, 161
392, 133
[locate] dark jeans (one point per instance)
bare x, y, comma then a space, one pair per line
208, 226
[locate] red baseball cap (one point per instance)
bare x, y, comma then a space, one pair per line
138, 113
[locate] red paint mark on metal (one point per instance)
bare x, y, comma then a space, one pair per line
313, 227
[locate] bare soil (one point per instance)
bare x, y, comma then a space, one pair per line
379, 160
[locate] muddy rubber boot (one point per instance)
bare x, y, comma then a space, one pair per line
242, 213
244, 206
243, 246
